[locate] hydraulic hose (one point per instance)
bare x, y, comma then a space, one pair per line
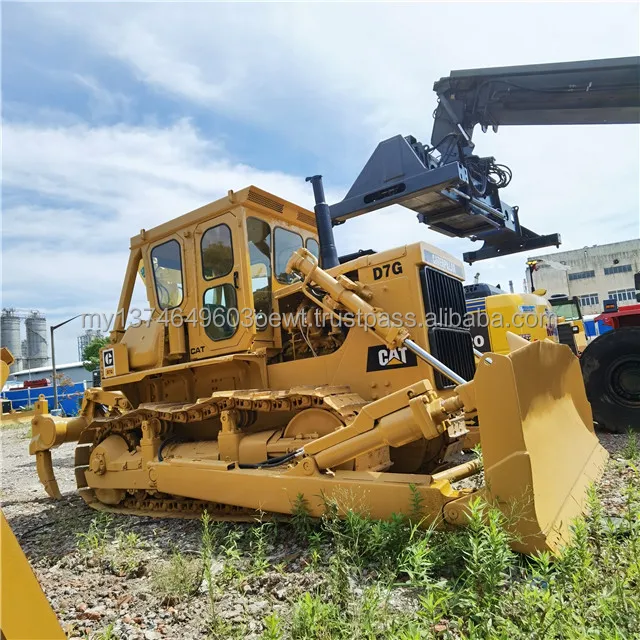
273, 462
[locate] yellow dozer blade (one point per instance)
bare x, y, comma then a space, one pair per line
539, 447
25, 613
6, 360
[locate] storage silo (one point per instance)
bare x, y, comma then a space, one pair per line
10, 336
37, 347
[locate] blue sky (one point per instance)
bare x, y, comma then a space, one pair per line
121, 116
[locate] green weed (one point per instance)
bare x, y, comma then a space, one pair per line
174, 581
106, 634
259, 542
94, 541
301, 520
470, 584
272, 627
126, 558
631, 449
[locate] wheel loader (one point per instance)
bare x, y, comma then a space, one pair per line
496, 317
261, 377
610, 363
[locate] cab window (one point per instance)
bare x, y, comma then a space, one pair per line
167, 274
259, 237
285, 243
312, 245
220, 312
217, 252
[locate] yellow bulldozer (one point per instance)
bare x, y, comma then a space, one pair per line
270, 369
261, 377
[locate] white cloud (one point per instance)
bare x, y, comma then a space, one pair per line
369, 67
103, 103
102, 186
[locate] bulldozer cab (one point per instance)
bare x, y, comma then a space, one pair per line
227, 314
210, 277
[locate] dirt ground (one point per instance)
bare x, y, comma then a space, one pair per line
90, 600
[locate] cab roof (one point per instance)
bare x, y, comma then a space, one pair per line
251, 197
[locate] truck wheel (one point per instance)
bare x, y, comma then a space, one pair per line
611, 371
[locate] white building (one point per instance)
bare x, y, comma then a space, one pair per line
75, 371
593, 274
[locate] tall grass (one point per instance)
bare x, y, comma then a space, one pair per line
468, 583
214, 624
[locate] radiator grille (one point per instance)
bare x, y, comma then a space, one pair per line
565, 336
442, 293
449, 341
453, 347
263, 201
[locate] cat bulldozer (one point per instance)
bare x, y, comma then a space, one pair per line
262, 377
272, 370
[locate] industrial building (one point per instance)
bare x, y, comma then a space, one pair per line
593, 274
75, 371
32, 351
85, 339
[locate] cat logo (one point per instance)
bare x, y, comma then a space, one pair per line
108, 363
114, 360
382, 358
107, 358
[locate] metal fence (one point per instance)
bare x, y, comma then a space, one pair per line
69, 397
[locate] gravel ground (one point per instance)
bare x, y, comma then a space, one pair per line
89, 595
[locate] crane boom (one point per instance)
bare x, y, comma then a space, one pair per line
456, 192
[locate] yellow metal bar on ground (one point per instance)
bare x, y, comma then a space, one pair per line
25, 613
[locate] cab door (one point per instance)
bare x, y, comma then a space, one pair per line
221, 289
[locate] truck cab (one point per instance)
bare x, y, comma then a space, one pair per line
571, 329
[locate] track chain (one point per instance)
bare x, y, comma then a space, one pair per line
339, 400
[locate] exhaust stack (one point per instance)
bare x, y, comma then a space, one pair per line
328, 253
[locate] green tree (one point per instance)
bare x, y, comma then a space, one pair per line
91, 353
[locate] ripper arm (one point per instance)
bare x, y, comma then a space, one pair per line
49, 431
